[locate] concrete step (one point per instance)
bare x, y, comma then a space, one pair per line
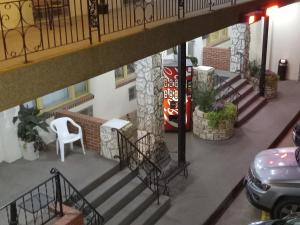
228, 82
95, 183
236, 86
109, 187
242, 93
133, 209
121, 198
246, 101
250, 110
153, 212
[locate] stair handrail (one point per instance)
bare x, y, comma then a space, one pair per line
85, 206
46, 200
147, 171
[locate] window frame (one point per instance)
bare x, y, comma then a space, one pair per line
221, 36
72, 97
127, 77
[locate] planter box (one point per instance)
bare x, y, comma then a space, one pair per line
28, 151
224, 131
271, 85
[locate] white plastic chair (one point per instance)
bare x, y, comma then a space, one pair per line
60, 127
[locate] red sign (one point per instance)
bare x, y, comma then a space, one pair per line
170, 103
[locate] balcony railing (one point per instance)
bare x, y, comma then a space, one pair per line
30, 26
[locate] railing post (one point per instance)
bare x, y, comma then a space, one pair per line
23, 32
58, 194
13, 214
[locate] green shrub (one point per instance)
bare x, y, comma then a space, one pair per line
228, 112
205, 96
254, 68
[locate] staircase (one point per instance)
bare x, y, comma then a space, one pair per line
240, 92
123, 199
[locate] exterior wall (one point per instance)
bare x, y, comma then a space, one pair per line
285, 36
110, 102
256, 32
219, 58
9, 144
198, 50
90, 128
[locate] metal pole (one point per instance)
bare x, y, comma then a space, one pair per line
13, 214
181, 102
58, 194
262, 80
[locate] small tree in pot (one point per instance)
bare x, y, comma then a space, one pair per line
29, 122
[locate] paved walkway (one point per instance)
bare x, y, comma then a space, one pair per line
216, 167
22, 175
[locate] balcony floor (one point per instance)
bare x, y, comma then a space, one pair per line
22, 175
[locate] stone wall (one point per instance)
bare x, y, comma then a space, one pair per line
219, 58
109, 138
90, 127
149, 83
271, 85
240, 44
224, 131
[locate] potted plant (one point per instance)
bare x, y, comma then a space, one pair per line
271, 84
213, 118
102, 7
27, 130
253, 73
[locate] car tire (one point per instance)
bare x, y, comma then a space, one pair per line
285, 206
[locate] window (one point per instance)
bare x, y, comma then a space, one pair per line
132, 93
60, 97
125, 74
217, 37
190, 51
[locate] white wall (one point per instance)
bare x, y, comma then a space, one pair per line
9, 144
110, 102
198, 50
256, 41
285, 39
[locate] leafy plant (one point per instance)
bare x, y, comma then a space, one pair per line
29, 120
254, 68
228, 112
205, 95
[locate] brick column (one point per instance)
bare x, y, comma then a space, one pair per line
149, 83
240, 43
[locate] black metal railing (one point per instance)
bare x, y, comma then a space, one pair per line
29, 26
132, 157
46, 202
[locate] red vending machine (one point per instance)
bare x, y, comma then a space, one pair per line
170, 103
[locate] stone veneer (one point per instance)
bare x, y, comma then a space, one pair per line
240, 43
109, 138
224, 131
271, 85
149, 83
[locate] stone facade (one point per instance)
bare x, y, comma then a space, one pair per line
224, 131
271, 85
202, 74
240, 43
149, 83
109, 139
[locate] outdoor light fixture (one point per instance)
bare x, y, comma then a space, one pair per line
271, 10
252, 17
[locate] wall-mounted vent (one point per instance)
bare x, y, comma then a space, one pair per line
132, 93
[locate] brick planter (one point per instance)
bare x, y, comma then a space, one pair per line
224, 131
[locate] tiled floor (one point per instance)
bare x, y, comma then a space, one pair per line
216, 167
